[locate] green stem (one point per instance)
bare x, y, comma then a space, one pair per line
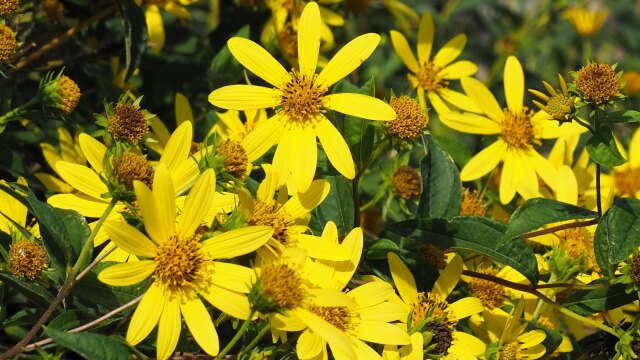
15, 113
585, 320
232, 343
585, 124
256, 339
587, 49
538, 310
596, 121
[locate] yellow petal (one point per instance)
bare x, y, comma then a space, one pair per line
382, 333
155, 28
200, 325
245, 97
531, 338
237, 242
508, 177
160, 131
319, 248
524, 172
85, 205
197, 204
336, 148
54, 184
82, 178
373, 293
466, 307
513, 84
183, 109
263, 137
450, 51
459, 69
232, 277
470, 123
163, 191
309, 39
360, 105
425, 38
178, 146
401, 45
329, 17
567, 190
448, 278
282, 159
483, 162
545, 170
169, 328
130, 239
330, 333
344, 270
155, 219
309, 345
50, 154
94, 151
459, 100
229, 302
483, 98
302, 204
258, 60
347, 59
304, 158
413, 351
402, 277
634, 149
146, 316
127, 274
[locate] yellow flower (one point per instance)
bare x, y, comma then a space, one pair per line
301, 100
432, 76
69, 151
230, 126
369, 320
518, 128
153, 17
433, 312
626, 177
586, 22
12, 211
182, 267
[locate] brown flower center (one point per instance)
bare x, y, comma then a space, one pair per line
9, 7
442, 336
430, 77
510, 351
635, 269
490, 294
128, 123
435, 308
471, 204
69, 94
434, 256
7, 44
283, 285
179, 262
517, 130
264, 214
406, 182
410, 119
627, 181
338, 316
302, 99
129, 167
288, 40
598, 82
236, 159
27, 259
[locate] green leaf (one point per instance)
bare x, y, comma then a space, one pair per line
587, 302
535, 213
359, 133
67, 320
35, 292
603, 150
476, 234
224, 68
441, 186
621, 117
617, 234
64, 232
97, 292
90, 346
337, 207
135, 34
379, 249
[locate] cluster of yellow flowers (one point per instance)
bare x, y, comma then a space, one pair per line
187, 230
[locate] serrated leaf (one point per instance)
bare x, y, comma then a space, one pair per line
135, 34
337, 207
587, 302
602, 148
535, 213
476, 234
90, 346
621, 117
617, 234
441, 186
35, 292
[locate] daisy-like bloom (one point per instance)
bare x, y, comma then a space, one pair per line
598, 83
9, 7
70, 151
153, 17
231, 126
181, 266
626, 177
291, 290
518, 128
14, 212
510, 337
27, 259
431, 77
289, 217
559, 105
301, 98
431, 312
369, 320
472, 203
586, 22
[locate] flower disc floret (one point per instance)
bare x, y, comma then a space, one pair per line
406, 182
7, 44
282, 285
518, 130
235, 158
627, 181
69, 93
179, 262
302, 98
430, 77
490, 294
27, 259
634, 272
128, 123
442, 336
435, 307
9, 7
598, 83
410, 120
338, 316
264, 214
471, 204
129, 167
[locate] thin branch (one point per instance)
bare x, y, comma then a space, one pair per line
560, 227
510, 284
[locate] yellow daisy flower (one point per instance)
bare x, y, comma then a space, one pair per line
431, 77
440, 316
13, 211
181, 266
230, 125
301, 99
369, 320
586, 22
289, 217
69, 151
518, 128
626, 177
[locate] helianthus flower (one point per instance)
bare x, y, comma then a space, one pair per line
301, 100
14, 211
182, 267
432, 76
289, 216
431, 311
586, 22
230, 125
626, 177
369, 320
69, 151
288, 290
518, 128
